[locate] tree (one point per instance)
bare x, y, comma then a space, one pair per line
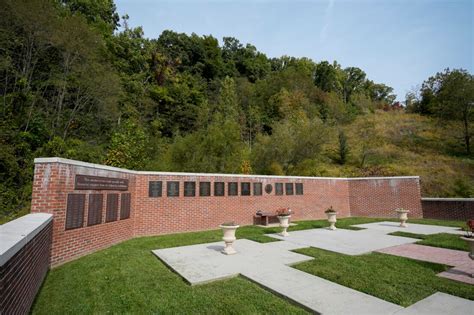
449, 95
127, 146
455, 101
328, 77
343, 147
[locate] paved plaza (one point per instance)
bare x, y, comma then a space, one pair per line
463, 265
390, 227
269, 265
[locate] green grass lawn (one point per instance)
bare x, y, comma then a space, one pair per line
443, 240
128, 278
395, 279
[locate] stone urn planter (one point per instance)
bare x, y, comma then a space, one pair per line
470, 243
331, 213
229, 237
469, 239
284, 218
402, 216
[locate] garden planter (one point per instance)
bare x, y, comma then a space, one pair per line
332, 220
470, 243
284, 224
402, 216
229, 238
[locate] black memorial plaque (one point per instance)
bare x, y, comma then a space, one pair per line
155, 188
75, 211
299, 188
233, 189
87, 182
268, 188
189, 189
257, 189
125, 202
96, 204
245, 189
278, 188
112, 208
289, 188
204, 189
219, 189
172, 189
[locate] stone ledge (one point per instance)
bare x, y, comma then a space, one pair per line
14, 235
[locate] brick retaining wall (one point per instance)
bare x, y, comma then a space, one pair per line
55, 179
448, 208
24, 261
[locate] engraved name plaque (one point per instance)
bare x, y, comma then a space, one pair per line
87, 182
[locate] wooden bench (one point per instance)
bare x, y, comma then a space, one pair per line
265, 218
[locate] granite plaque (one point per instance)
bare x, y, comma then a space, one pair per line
155, 188
233, 189
257, 189
125, 201
299, 188
87, 182
189, 189
96, 204
75, 211
172, 189
112, 208
204, 189
278, 188
245, 189
219, 189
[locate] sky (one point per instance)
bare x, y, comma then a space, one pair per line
397, 42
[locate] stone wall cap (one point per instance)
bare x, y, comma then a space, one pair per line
117, 169
14, 235
446, 199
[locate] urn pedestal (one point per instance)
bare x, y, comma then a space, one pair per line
229, 238
284, 224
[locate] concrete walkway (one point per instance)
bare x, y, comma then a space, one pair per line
463, 265
390, 227
268, 265
349, 242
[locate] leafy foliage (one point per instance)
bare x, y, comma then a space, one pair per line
78, 82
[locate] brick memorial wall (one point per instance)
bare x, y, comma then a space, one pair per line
448, 208
95, 206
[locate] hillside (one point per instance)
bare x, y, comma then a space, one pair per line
184, 102
405, 144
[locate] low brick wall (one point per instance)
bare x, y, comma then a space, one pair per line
380, 197
24, 261
448, 208
95, 206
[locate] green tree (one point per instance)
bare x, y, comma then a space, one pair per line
127, 146
455, 101
343, 148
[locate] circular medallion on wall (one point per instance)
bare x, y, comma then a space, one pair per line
268, 188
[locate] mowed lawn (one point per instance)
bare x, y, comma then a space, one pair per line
128, 278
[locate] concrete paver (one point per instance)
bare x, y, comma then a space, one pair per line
389, 227
439, 304
344, 241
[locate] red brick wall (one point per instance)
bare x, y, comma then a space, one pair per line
22, 275
380, 197
54, 179
179, 214
445, 209
52, 182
